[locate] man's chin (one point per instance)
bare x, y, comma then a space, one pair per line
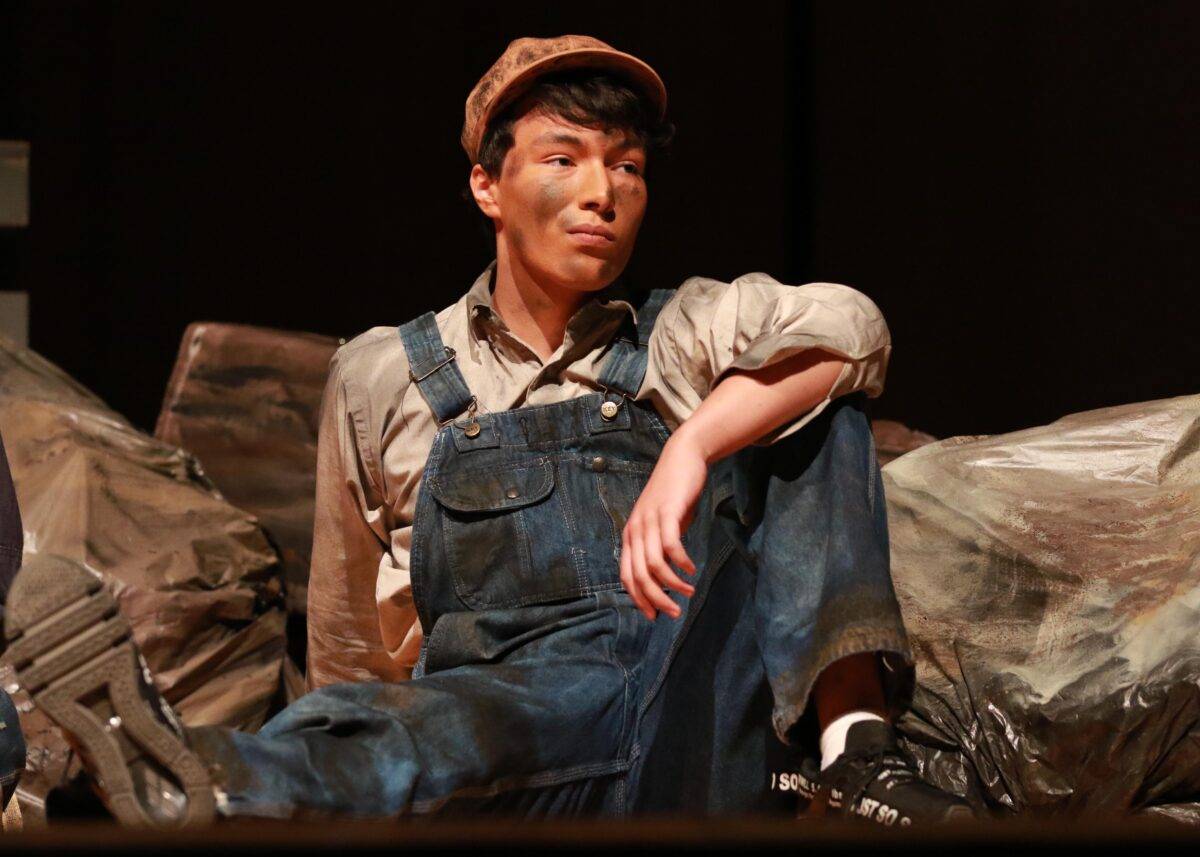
592, 272
586, 277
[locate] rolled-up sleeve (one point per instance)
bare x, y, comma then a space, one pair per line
351, 528
710, 328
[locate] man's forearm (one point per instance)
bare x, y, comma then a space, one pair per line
745, 406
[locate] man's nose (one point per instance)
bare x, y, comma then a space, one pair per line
597, 192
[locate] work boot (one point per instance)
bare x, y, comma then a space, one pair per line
73, 653
876, 780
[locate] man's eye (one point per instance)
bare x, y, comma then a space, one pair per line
563, 160
632, 169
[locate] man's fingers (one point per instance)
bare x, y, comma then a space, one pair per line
659, 572
642, 581
673, 545
627, 577
656, 563
658, 598
651, 589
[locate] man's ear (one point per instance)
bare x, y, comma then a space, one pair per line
483, 188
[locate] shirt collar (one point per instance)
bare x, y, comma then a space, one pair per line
612, 300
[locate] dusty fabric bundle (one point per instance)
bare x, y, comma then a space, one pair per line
245, 400
1050, 582
195, 576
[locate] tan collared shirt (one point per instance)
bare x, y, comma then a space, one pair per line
376, 429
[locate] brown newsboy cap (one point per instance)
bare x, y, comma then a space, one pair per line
525, 60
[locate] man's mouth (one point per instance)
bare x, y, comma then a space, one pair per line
598, 236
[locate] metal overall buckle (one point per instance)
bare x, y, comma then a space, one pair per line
471, 429
609, 410
449, 357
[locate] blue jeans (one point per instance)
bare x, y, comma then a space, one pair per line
581, 706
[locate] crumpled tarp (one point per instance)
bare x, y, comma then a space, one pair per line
893, 439
1050, 582
195, 576
245, 401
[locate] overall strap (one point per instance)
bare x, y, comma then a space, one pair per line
626, 364
431, 365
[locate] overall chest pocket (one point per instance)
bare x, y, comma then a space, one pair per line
506, 537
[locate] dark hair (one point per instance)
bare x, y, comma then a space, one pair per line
583, 97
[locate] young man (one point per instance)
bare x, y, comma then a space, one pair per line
503, 489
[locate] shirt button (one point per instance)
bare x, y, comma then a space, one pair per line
599, 464
512, 493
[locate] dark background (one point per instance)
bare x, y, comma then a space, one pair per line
1015, 184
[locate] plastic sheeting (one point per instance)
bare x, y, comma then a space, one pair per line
245, 400
1050, 581
195, 576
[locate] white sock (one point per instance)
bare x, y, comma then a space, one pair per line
833, 736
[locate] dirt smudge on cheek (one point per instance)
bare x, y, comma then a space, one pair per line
549, 198
631, 203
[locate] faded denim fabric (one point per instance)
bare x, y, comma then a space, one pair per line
540, 689
12, 744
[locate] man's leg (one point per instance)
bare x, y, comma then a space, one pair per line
524, 713
542, 729
793, 610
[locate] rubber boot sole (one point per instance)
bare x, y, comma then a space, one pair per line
73, 653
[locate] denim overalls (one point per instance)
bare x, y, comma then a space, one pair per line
540, 689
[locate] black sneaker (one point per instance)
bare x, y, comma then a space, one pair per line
876, 780
73, 654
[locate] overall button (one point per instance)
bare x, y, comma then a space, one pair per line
472, 430
608, 410
512, 493
599, 464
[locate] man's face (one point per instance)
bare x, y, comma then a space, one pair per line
569, 202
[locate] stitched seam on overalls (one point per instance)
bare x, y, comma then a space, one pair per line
558, 440
487, 470
612, 653
600, 495
626, 465
657, 423
573, 550
540, 598
607, 504
612, 524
